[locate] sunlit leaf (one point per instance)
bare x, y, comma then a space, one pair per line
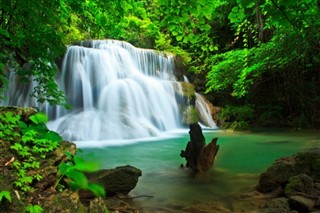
39, 118
97, 190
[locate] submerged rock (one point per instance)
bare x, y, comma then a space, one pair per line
200, 157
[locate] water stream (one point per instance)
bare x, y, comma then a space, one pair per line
126, 111
117, 92
242, 156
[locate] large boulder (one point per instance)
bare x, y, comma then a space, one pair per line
279, 173
118, 181
276, 175
302, 204
200, 157
278, 205
301, 183
296, 179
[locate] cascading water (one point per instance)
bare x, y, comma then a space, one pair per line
117, 91
204, 112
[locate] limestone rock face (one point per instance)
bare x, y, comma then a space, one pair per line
200, 157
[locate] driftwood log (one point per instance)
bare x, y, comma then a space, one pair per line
200, 157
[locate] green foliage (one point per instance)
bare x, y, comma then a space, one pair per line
236, 117
5, 194
8, 126
74, 169
43, 71
242, 46
34, 209
29, 142
189, 26
269, 115
225, 70
39, 118
28, 34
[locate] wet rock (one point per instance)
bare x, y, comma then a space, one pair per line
301, 203
278, 205
120, 180
200, 157
299, 184
276, 175
308, 162
279, 173
295, 179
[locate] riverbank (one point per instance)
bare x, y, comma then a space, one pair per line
39, 172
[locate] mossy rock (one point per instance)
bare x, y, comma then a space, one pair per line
190, 115
184, 89
309, 163
301, 183
24, 112
187, 89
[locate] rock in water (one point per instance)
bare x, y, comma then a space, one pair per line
200, 157
118, 181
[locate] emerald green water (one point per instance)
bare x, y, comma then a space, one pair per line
242, 156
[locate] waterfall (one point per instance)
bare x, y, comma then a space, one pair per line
204, 112
116, 91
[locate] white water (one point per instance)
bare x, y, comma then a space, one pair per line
204, 112
117, 92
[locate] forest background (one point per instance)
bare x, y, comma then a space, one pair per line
259, 60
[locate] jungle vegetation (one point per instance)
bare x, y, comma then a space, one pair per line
260, 59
